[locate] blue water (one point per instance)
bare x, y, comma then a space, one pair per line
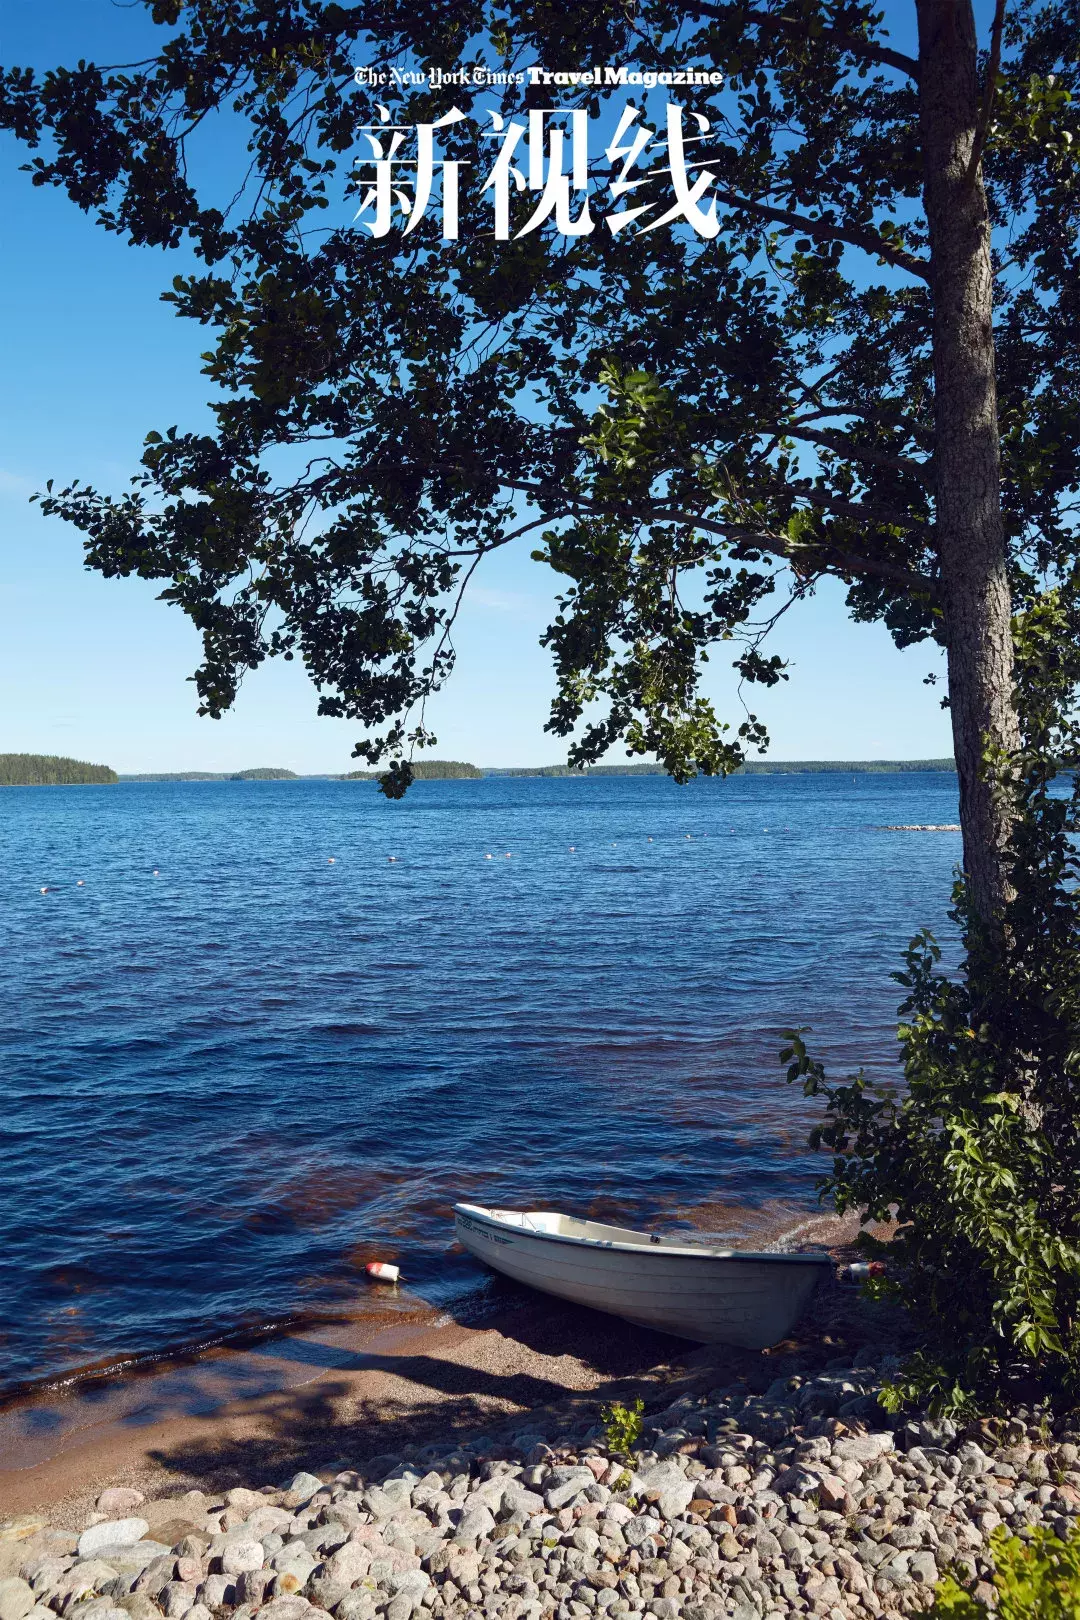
227, 1084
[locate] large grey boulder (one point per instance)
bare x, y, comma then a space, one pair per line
111, 1533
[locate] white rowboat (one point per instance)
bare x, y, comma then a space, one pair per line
724, 1295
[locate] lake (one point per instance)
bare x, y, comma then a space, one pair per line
251, 1051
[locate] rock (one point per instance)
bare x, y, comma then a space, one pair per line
767, 1546
413, 1581
26, 1557
177, 1598
563, 1484
348, 1564
89, 1578
863, 1447
356, 1606
289, 1608
303, 1487
834, 1495
638, 1530
254, 1585
173, 1531
797, 1481
294, 1556
111, 1533
247, 1501
98, 1609
242, 1555
265, 1520
156, 1574
118, 1500
132, 1559
42, 1572
21, 1529
139, 1606
669, 1486
922, 1566
973, 1460
474, 1526
216, 1590
16, 1598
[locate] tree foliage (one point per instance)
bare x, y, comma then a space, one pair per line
976, 1157
694, 431
50, 770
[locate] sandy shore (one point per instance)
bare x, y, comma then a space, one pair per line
341, 1394
404, 1387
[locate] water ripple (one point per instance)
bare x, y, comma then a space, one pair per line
228, 1085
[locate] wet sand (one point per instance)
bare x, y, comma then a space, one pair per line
338, 1394
255, 1416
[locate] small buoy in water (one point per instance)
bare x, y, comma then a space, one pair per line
861, 1269
489, 857
155, 872
80, 884
330, 859
391, 859
382, 1271
573, 849
44, 891
650, 840
508, 855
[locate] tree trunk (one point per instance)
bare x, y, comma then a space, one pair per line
970, 534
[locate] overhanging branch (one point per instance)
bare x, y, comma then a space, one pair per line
822, 231
855, 44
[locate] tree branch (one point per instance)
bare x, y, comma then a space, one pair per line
778, 545
869, 241
871, 458
556, 504
982, 128
883, 55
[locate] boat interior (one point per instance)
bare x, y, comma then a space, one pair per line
554, 1225
549, 1223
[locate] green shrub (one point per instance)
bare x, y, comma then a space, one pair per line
976, 1154
622, 1426
1034, 1580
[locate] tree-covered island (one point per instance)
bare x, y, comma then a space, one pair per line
51, 770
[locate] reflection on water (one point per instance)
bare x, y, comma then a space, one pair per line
228, 1086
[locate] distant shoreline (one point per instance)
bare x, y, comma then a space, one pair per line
21, 770
780, 767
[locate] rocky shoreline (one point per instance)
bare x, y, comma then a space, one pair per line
753, 1500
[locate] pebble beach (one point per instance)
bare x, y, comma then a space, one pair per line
785, 1490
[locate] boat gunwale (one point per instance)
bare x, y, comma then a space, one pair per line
476, 1211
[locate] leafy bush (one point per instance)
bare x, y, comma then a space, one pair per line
1034, 1580
976, 1156
622, 1426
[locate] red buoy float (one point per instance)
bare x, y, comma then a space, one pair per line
382, 1271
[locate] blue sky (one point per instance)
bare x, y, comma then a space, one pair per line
98, 668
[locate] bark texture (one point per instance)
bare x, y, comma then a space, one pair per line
971, 537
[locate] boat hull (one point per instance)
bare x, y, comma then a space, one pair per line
747, 1300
